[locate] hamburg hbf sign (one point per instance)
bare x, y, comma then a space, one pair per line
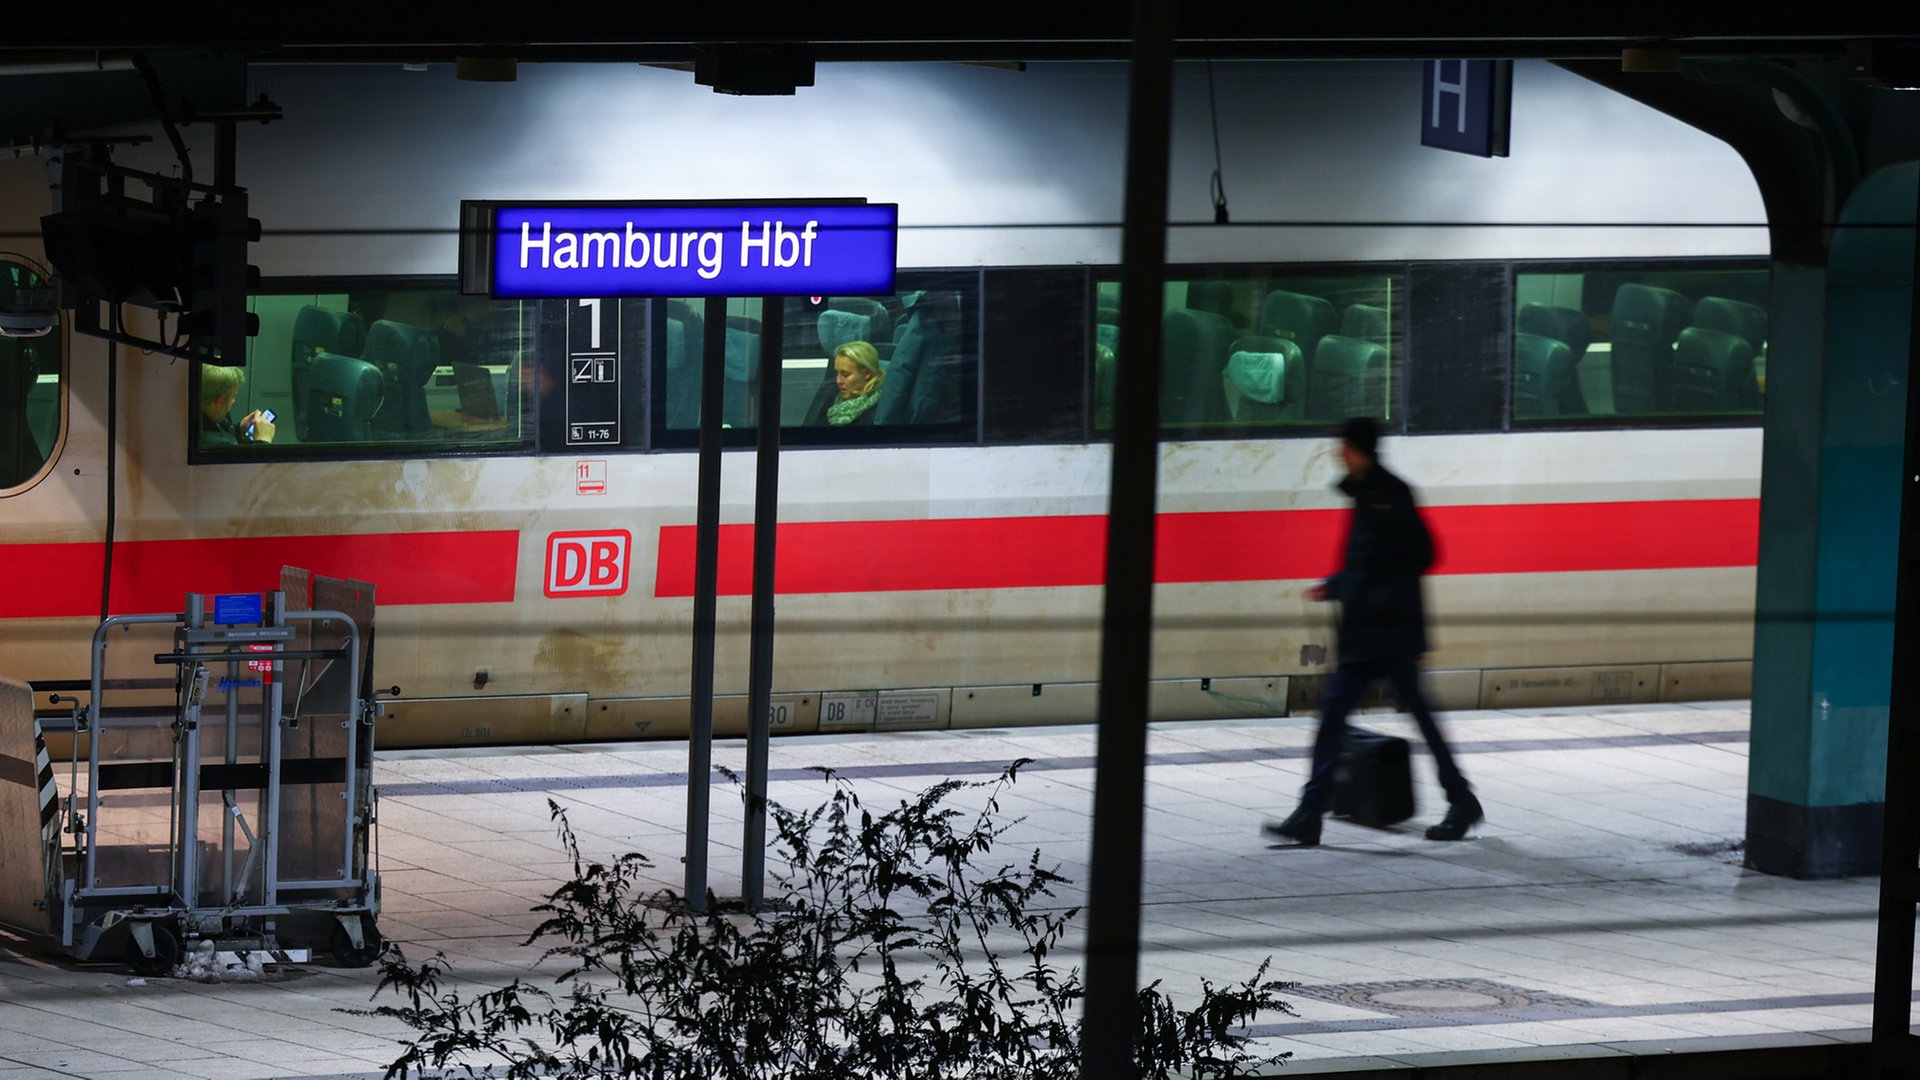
534, 250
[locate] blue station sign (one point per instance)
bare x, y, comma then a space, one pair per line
1467, 106
532, 250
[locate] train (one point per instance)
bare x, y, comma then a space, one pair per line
1567, 348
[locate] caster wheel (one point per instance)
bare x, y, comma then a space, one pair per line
166, 951
346, 954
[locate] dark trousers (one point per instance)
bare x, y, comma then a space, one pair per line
1344, 690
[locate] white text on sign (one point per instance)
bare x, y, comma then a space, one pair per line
775, 245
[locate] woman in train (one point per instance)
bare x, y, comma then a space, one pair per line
857, 372
219, 389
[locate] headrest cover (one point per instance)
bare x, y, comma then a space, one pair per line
1261, 376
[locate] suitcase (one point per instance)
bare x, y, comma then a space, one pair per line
1373, 782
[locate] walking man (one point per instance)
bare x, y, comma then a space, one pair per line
1383, 633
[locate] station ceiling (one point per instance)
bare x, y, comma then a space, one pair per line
978, 30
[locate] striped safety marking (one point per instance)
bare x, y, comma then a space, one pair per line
49, 790
56, 580
1265, 545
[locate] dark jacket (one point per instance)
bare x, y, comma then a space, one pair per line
1382, 616
219, 432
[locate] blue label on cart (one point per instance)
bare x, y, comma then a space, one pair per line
236, 609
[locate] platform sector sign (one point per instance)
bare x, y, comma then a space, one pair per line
572, 250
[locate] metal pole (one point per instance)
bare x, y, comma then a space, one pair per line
1126, 652
766, 522
706, 588
1896, 1052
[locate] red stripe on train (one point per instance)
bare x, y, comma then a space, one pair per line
1268, 545
55, 580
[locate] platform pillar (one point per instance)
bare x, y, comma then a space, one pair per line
1829, 537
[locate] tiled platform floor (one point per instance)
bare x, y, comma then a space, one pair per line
1602, 909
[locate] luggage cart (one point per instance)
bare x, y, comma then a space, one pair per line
243, 813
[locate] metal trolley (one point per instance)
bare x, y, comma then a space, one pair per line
243, 813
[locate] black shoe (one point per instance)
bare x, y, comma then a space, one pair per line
1300, 827
1464, 814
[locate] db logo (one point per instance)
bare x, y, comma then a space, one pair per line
588, 563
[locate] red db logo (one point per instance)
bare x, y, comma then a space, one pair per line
588, 563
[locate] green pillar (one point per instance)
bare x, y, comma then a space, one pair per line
1829, 539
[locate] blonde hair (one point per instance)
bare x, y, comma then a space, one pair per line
217, 382
865, 357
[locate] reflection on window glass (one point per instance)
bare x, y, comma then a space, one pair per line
1639, 343
846, 361
378, 369
1260, 350
29, 379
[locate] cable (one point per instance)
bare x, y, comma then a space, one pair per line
152, 79
1218, 186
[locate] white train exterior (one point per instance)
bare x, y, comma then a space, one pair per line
1582, 562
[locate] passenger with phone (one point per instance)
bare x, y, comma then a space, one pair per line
219, 390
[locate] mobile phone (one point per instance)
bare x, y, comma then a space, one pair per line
265, 414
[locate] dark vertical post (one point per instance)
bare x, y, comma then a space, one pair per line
706, 589
766, 522
1896, 1051
225, 144
1113, 910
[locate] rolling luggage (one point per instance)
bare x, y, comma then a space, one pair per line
1373, 783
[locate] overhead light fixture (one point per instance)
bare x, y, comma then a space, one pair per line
486, 68
754, 70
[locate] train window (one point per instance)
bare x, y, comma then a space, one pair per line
30, 375
1261, 350
854, 369
1662, 344
379, 372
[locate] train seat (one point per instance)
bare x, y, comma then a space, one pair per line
1368, 322
1542, 369
344, 394
317, 330
1216, 297
854, 318
741, 371
1646, 320
684, 329
1106, 326
1193, 362
1748, 321
405, 357
923, 375
1570, 327
1347, 377
1712, 372
1264, 374
1297, 317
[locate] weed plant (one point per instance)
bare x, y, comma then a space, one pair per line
889, 950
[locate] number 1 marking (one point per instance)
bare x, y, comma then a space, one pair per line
593, 321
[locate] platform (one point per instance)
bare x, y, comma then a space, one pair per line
1601, 912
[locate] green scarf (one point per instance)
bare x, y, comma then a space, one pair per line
847, 410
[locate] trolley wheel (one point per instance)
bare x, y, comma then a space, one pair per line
166, 951
346, 954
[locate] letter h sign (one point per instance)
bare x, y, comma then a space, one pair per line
1466, 105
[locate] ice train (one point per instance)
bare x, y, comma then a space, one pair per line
1567, 345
